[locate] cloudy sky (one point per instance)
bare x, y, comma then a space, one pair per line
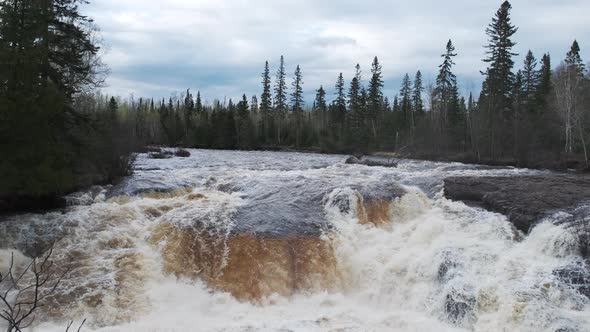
155, 48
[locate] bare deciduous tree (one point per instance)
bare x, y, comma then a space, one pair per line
23, 292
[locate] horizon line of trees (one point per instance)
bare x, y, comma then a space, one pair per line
534, 116
57, 134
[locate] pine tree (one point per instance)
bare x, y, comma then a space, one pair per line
297, 101
375, 95
254, 103
280, 100
446, 93
354, 93
573, 60
530, 82
545, 86
189, 108
320, 106
243, 127
499, 76
198, 104
266, 104
113, 107
498, 84
339, 109
340, 95
417, 103
396, 108
406, 103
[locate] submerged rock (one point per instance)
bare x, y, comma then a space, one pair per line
576, 276
372, 161
459, 307
523, 199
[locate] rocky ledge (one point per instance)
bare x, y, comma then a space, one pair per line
523, 199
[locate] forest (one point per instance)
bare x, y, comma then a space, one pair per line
58, 132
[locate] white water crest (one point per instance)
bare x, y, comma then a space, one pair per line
268, 241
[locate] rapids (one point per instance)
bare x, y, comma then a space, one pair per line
270, 241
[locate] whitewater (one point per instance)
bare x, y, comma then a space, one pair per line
276, 241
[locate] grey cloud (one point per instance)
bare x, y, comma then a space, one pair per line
332, 41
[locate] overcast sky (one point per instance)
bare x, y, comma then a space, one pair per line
155, 48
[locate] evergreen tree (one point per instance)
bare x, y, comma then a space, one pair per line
189, 109
446, 94
356, 117
375, 96
280, 100
320, 107
417, 103
396, 108
297, 101
406, 103
497, 87
340, 95
530, 81
339, 109
198, 104
266, 104
113, 107
254, 103
545, 86
354, 93
573, 59
243, 127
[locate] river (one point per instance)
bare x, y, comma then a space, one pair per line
272, 241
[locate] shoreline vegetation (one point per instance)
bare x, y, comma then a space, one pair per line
58, 134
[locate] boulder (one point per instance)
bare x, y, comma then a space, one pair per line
372, 161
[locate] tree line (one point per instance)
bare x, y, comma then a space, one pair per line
534, 116
57, 133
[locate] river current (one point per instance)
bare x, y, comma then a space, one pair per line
272, 241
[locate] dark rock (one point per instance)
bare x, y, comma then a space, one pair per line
523, 199
31, 203
459, 307
182, 153
372, 161
447, 268
161, 155
576, 276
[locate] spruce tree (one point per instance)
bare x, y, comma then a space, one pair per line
198, 104
545, 86
243, 127
530, 82
446, 93
375, 96
320, 106
498, 83
573, 61
339, 109
297, 102
406, 103
417, 103
354, 93
266, 104
280, 100
113, 107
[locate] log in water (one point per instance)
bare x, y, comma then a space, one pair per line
267, 241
